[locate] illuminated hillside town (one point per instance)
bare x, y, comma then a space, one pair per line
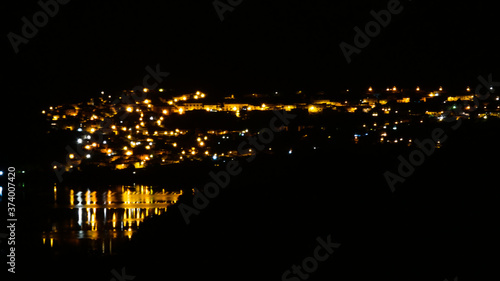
120, 132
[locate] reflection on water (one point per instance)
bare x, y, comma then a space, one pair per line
100, 221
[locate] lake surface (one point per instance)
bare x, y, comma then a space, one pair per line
101, 220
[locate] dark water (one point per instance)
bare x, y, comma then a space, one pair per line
101, 220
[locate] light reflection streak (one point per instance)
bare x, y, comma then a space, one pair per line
111, 217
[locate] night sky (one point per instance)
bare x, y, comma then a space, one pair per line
261, 46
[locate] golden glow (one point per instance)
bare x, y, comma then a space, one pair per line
71, 156
468, 89
128, 153
418, 88
145, 90
440, 88
394, 89
130, 109
370, 89
165, 111
161, 90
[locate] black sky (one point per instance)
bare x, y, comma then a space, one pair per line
261, 46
